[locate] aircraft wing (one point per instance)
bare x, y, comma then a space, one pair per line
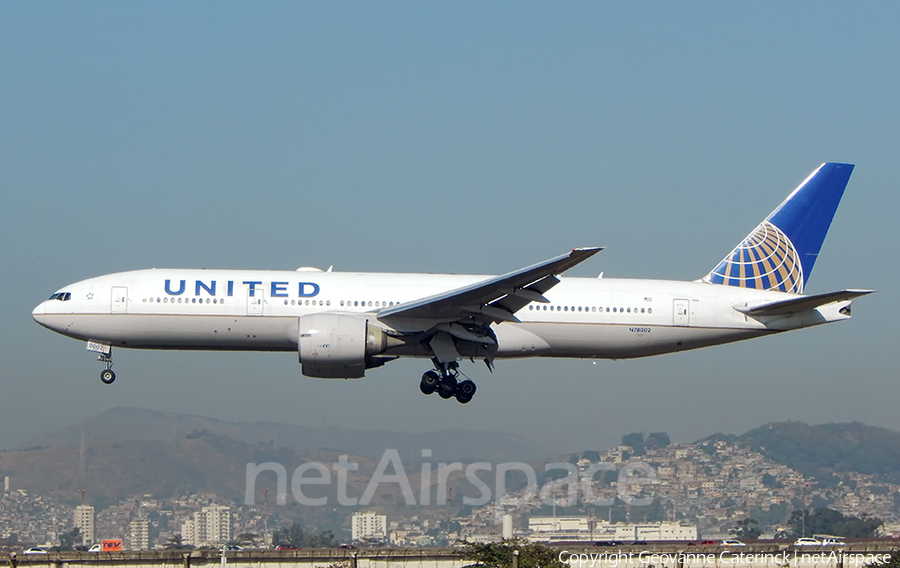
800, 303
492, 300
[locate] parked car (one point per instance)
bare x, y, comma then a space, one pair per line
347, 546
232, 547
807, 542
702, 543
286, 547
832, 542
608, 543
732, 542
96, 548
639, 543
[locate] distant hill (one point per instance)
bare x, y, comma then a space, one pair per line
823, 450
200, 463
127, 423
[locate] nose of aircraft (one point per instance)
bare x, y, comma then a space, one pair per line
38, 313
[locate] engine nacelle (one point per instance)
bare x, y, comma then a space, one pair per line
339, 346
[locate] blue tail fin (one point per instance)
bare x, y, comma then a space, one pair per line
780, 253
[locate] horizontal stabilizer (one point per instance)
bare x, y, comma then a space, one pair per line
800, 303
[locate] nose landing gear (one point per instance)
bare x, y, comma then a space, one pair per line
107, 375
445, 381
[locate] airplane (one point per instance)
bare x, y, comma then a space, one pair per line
343, 323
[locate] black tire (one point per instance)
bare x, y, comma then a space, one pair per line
107, 376
466, 388
463, 399
430, 382
447, 387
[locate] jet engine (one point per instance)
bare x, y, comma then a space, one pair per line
340, 346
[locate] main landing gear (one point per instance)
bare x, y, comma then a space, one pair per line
445, 381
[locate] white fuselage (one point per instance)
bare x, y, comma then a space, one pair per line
259, 311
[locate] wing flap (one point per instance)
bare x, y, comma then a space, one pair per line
800, 303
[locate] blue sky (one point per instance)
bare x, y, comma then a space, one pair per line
446, 137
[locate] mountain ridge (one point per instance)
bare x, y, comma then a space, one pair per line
132, 423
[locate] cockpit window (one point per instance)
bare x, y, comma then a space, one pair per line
61, 296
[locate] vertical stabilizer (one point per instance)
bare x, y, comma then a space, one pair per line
780, 253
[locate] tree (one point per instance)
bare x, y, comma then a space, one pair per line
175, 542
500, 555
68, 539
293, 535
769, 480
297, 537
747, 528
246, 539
324, 539
636, 441
829, 521
657, 440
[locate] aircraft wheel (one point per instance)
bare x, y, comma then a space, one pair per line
447, 387
430, 382
465, 391
107, 376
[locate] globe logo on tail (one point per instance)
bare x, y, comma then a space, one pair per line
765, 260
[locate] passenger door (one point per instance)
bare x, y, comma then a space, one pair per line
119, 300
681, 312
256, 302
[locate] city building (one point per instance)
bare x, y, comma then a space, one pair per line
209, 525
558, 529
84, 520
187, 532
139, 534
369, 527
